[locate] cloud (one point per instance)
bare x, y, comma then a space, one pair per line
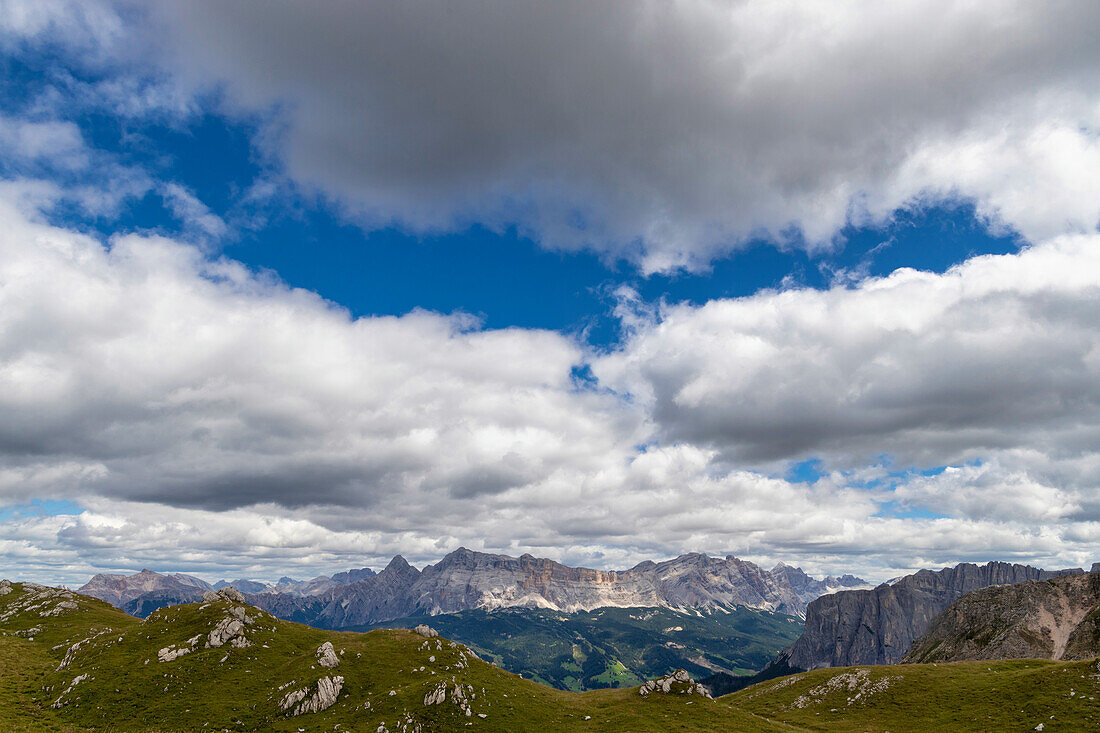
196, 382
666, 133
193, 213
997, 353
57, 143
212, 419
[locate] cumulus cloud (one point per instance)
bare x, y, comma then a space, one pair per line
667, 133
213, 419
196, 382
1000, 352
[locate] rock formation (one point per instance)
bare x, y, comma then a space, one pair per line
878, 626
326, 655
323, 696
677, 683
1051, 619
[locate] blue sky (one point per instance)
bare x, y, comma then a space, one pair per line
780, 304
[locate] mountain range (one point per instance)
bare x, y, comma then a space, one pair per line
466, 580
72, 662
1038, 619
878, 626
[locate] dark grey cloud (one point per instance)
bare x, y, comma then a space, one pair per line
665, 132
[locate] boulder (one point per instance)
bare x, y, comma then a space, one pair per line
425, 630
323, 697
231, 594
326, 655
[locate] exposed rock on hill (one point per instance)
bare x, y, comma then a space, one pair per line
322, 697
878, 626
326, 655
677, 683
1051, 619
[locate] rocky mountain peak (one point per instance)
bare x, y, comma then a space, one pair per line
399, 565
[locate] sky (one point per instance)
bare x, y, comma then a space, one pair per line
292, 288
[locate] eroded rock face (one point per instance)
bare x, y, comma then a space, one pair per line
862, 627
677, 683
326, 655
231, 629
1051, 619
322, 697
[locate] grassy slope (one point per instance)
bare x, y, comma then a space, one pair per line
984, 696
200, 692
617, 647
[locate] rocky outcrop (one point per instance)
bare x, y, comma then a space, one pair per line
5, 587
425, 630
41, 600
677, 683
878, 626
322, 697
231, 629
1051, 619
460, 697
230, 594
174, 652
326, 655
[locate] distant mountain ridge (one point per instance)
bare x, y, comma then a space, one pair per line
1039, 619
878, 626
466, 580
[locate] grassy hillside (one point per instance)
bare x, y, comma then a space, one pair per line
52, 638
386, 678
616, 647
983, 696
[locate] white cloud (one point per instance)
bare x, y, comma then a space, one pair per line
217, 421
26, 141
999, 352
193, 213
667, 132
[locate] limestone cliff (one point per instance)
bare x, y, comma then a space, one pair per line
878, 626
1039, 619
